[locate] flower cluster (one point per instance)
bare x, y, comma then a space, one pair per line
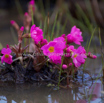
59, 51
37, 35
61, 45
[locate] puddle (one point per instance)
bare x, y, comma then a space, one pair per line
11, 93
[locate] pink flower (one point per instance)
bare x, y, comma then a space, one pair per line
75, 36
69, 51
32, 28
61, 41
6, 57
79, 56
81, 50
54, 50
44, 41
36, 34
55, 59
64, 66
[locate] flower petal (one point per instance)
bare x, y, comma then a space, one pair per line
32, 28
6, 51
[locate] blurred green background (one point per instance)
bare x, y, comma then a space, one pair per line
85, 14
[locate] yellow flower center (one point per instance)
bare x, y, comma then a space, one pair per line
75, 55
6, 55
51, 49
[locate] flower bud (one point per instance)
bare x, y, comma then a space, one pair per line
12, 22
70, 64
22, 28
64, 66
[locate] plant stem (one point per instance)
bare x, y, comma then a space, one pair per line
60, 71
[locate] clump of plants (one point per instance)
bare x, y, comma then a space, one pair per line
42, 60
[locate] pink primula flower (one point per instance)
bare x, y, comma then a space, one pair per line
54, 50
61, 41
6, 57
69, 50
44, 41
55, 59
36, 34
32, 28
79, 56
75, 36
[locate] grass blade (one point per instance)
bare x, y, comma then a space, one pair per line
19, 7
13, 35
54, 27
90, 40
85, 18
45, 26
63, 28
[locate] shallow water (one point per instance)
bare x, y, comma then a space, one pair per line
79, 91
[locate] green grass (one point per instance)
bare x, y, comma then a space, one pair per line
90, 40
102, 55
32, 15
63, 28
45, 27
85, 18
13, 35
59, 80
88, 46
100, 70
40, 4
19, 7
52, 34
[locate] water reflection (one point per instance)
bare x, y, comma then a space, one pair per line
11, 93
